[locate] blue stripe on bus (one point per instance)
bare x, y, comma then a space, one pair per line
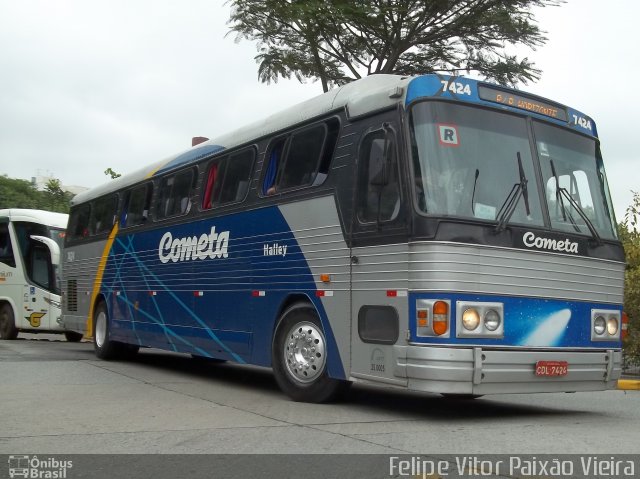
226, 321
190, 156
528, 322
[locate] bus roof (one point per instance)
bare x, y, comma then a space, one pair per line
48, 218
358, 98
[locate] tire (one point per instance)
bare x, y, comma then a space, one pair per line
7, 323
72, 336
299, 357
104, 347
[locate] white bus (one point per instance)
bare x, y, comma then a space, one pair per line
30, 243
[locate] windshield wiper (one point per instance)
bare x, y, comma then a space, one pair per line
511, 202
563, 193
560, 201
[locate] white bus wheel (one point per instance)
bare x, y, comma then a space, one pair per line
7, 323
72, 336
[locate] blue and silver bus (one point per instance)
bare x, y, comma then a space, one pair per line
432, 233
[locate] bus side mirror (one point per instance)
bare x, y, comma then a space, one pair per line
54, 249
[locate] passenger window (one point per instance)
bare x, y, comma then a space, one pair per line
174, 198
276, 152
136, 210
237, 174
301, 159
79, 222
379, 191
228, 179
6, 250
104, 213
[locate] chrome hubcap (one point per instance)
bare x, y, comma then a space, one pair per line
304, 352
101, 328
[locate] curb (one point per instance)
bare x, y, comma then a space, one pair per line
629, 384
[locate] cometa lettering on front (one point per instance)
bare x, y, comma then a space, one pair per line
206, 246
532, 241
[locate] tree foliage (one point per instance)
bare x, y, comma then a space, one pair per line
630, 238
112, 173
337, 41
15, 193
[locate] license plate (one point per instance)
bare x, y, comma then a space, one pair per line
552, 368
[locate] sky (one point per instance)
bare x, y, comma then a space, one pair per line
91, 85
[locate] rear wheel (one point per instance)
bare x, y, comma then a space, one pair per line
104, 347
72, 336
299, 357
7, 323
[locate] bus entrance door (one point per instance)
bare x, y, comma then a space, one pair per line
379, 259
36, 314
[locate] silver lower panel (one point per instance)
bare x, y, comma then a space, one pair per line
487, 371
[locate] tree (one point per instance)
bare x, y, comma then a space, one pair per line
54, 194
338, 41
15, 193
112, 173
630, 237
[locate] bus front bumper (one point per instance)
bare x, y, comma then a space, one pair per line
479, 371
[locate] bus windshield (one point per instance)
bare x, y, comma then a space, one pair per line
468, 160
572, 162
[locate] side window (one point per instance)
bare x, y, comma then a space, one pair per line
212, 184
6, 250
137, 205
227, 179
175, 195
300, 159
237, 174
104, 213
274, 160
378, 186
79, 222
39, 266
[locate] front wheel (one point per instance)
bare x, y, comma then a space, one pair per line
7, 323
299, 357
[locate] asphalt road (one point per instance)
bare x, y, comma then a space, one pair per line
57, 398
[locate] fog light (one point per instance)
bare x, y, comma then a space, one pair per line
470, 319
599, 325
492, 320
612, 326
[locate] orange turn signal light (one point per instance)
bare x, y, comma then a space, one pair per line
440, 317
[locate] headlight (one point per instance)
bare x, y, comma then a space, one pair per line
599, 325
470, 319
492, 320
612, 326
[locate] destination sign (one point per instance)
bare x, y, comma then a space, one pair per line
522, 102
